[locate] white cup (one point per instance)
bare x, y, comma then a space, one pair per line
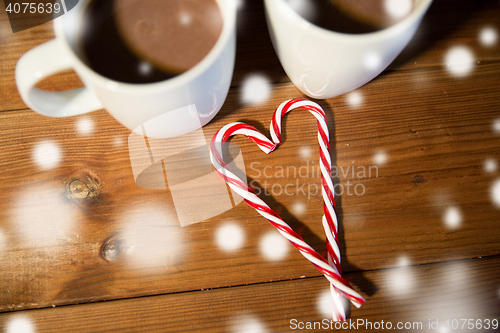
178, 105
324, 63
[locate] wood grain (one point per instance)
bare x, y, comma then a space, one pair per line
448, 23
396, 216
413, 295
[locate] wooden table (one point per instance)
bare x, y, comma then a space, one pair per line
419, 228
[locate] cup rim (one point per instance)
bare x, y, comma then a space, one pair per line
228, 10
417, 13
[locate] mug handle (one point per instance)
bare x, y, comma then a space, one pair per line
41, 62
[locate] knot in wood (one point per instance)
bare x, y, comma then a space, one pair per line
78, 189
111, 249
83, 189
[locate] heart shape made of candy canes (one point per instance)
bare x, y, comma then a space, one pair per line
331, 267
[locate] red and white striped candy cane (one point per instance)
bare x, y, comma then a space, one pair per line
331, 268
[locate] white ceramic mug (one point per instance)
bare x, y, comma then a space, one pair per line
179, 105
324, 63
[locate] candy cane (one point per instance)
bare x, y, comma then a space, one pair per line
331, 268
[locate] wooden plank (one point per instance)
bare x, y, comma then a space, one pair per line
415, 296
59, 209
449, 23
436, 140
12, 47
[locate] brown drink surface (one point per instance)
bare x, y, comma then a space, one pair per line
144, 41
351, 16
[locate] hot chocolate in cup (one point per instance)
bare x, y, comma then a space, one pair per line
171, 61
330, 47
